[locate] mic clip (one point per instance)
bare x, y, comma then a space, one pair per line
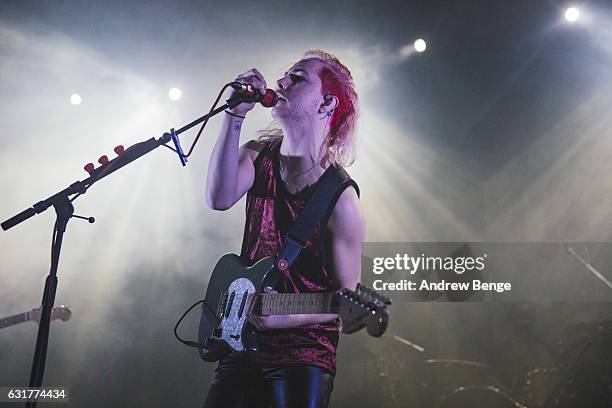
246, 90
179, 149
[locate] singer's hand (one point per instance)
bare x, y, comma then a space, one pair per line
252, 77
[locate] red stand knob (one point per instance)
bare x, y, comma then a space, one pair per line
103, 160
119, 150
89, 167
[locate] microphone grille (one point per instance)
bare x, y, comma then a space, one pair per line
269, 98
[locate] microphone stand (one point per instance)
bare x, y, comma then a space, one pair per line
65, 210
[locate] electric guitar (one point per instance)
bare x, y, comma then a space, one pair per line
224, 326
64, 313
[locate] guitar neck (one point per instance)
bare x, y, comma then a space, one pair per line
13, 320
298, 303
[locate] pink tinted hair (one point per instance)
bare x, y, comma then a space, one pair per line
339, 145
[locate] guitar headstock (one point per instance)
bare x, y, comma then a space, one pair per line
62, 312
363, 307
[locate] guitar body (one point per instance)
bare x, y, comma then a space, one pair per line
223, 324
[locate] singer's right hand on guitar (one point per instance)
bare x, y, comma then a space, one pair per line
252, 77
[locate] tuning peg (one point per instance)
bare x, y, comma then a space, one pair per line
119, 150
103, 160
89, 167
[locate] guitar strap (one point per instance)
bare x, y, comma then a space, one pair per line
319, 207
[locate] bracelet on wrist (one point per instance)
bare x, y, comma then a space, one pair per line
233, 114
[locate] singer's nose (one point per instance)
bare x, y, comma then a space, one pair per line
280, 83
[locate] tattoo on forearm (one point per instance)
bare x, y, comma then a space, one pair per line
237, 126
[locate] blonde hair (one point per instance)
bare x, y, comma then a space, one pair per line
338, 147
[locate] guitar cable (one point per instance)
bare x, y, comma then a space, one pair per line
189, 343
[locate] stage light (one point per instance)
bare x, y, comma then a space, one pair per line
175, 94
572, 14
420, 45
75, 99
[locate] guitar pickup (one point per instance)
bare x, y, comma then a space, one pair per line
242, 304
230, 302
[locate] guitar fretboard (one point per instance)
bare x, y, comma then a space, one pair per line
296, 303
12, 320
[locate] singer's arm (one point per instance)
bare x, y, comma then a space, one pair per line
230, 171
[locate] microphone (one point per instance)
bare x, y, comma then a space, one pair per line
251, 94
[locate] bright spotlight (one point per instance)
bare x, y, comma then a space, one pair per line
175, 94
420, 45
572, 14
75, 99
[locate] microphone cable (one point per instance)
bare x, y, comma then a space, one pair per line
203, 124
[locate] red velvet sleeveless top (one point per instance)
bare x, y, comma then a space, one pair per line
270, 212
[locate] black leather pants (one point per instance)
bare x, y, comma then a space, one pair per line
297, 386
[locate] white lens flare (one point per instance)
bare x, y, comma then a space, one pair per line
175, 94
75, 99
420, 45
572, 14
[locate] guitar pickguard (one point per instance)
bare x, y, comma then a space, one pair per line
234, 314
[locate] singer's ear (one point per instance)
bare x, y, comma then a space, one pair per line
330, 102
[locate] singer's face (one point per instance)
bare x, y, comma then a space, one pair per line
299, 90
